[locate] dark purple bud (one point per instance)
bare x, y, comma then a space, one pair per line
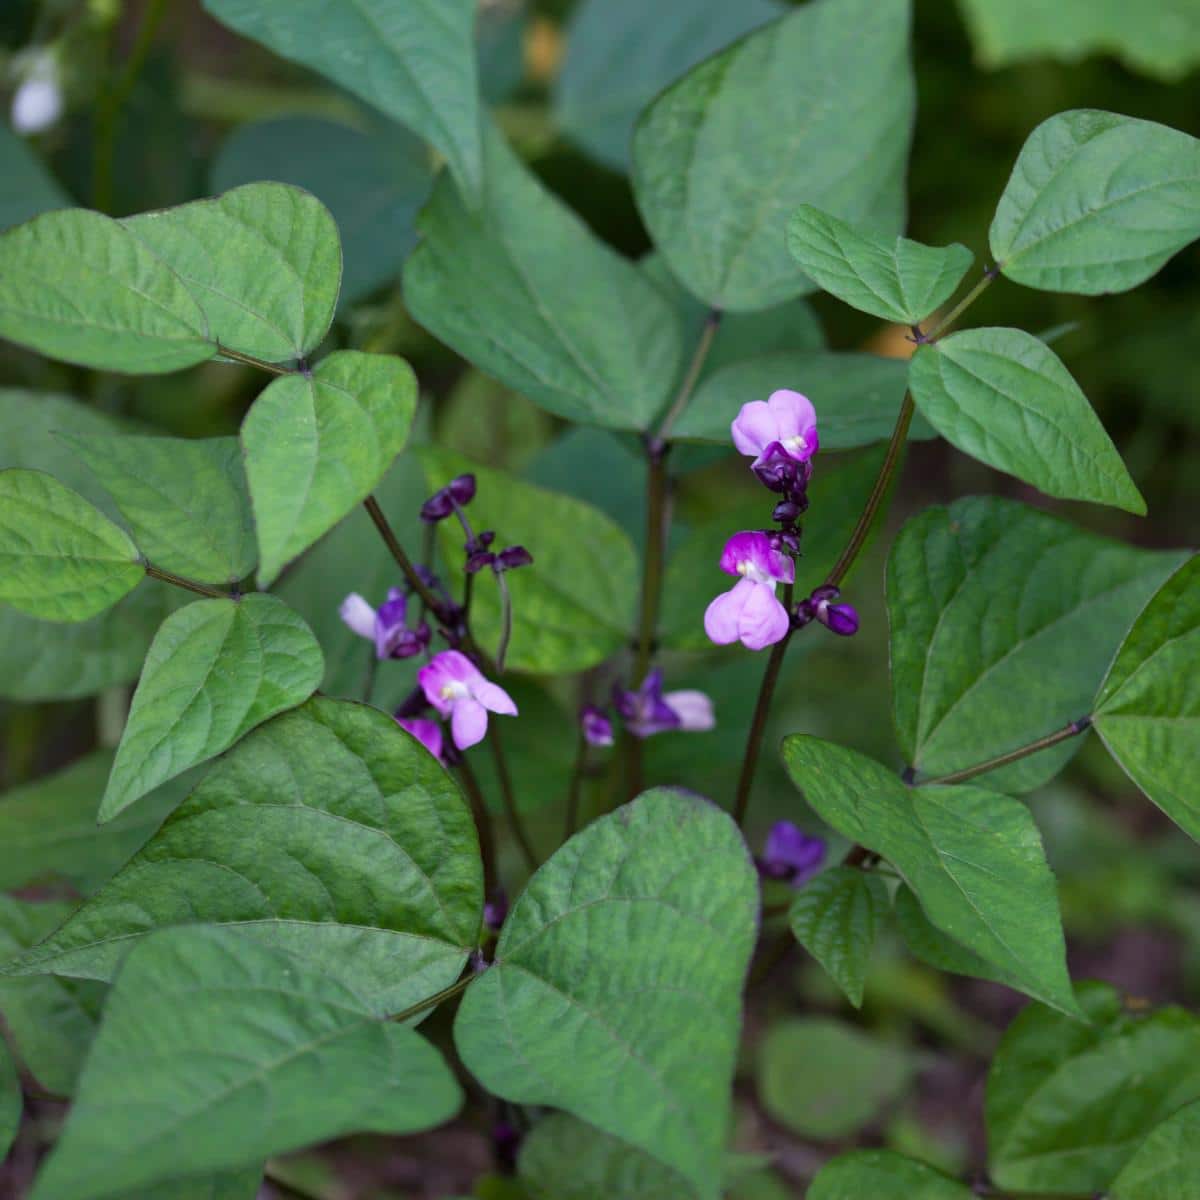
496, 910
841, 619
790, 854
786, 511
789, 539
513, 557
455, 494
413, 705
479, 560
596, 725
486, 538
462, 489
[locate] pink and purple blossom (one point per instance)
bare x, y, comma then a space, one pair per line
750, 612
387, 626
596, 726
784, 426
841, 619
457, 689
649, 710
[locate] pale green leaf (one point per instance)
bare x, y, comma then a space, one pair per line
1148, 711
414, 61
1004, 397
990, 600
215, 670
716, 182
316, 445
26, 187
328, 833
616, 988
185, 500
883, 1175
216, 1052
61, 559
11, 1103
585, 334
1166, 1166
973, 857
1097, 202
896, 279
835, 918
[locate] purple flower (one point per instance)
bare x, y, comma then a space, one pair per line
386, 626
454, 686
841, 619
459, 491
495, 910
428, 733
596, 725
790, 854
648, 711
750, 612
782, 427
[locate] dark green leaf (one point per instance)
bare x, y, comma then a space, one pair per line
1166, 1166
883, 1175
11, 1103
26, 187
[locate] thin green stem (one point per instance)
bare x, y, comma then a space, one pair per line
758, 725
447, 993
712, 322
506, 621
260, 364
509, 799
1074, 729
576, 788
943, 326
483, 825
201, 589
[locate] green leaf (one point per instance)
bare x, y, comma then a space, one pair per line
11, 1103
825, 1079
973, 857
991, 600
81, 287
586, 335
883, 1175
857, 396
1097, 202
835, 917
316, 445
373, 182
1005, 398
568, 1159
629, 944
898, 280
716, 183
263, 262
185, 500
622, 53
572, 608
60, 558
215, 670
328, 833
1166, 1166
26, 187
1068, 1105
217, 1052
1148, 711
415, 61
229, 1185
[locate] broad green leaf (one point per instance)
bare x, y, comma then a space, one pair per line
328, 833
857, 396
1068, 1105
263, 262
373, 182
622, 53
26, 187
617, 982
1166, 1166
217, 1051
825, 1079
896, 279
11, 1103
573, 607
716, 183
989, 601
185, 500
973, 857
215, 670
414, 61
81, 287
1004, 397
568, 1159
229, 1185
316, 445
835, 917
1148, 711
1160, 38
1097, 202
52, 1021
61, 559
883, 1175
586, 335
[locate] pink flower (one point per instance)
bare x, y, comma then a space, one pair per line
428, 733
783, 426
454, 686
386, 626
750, 613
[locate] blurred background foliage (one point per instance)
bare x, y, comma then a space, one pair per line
163, 105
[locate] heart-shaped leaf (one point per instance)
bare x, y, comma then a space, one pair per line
883, 1175
1166, 1166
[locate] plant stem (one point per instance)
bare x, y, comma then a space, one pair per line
576, 789
652, 570
483, 825
405, 564
250, 361
201, 589
506, 621
758, 726
712, 322
882, 482
446, 993
943, 326
1074, 729
510, 803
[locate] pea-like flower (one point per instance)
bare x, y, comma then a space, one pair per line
784, 426
456, 688
596, 726
790, 854
841, 619
38, 101
428, 733
386, 626
751, 613
649, 710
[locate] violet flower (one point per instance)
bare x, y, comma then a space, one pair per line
456, 688
790, 854
784, 426
649, 711
841, 619
596, 726
386, 626
428, 733
750, 612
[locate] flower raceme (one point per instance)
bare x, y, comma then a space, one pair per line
457, 689
750, 612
